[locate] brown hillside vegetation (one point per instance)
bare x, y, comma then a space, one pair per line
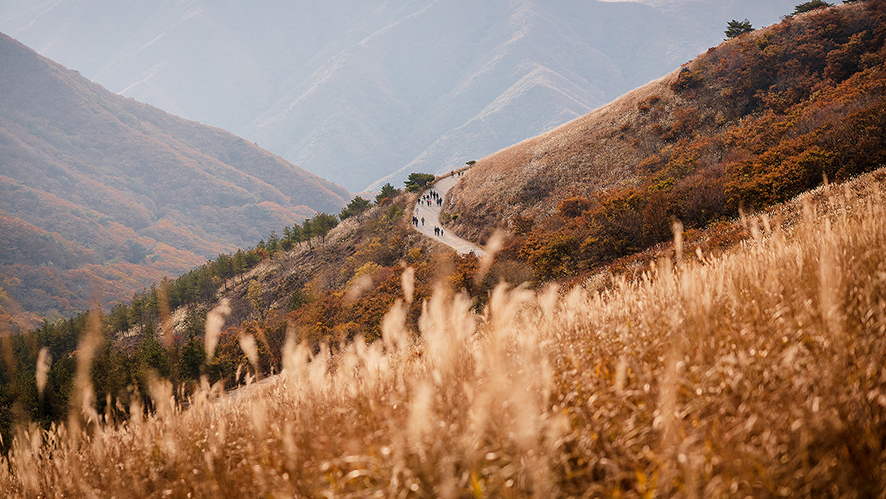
756, 373
114, 181
585, 155
754, 121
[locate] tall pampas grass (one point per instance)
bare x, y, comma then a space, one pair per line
758, 373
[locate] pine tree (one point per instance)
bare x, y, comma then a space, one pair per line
809, 6
737, 28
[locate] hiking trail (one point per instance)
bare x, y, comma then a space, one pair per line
431, 215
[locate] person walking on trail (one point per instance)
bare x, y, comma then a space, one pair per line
422, 221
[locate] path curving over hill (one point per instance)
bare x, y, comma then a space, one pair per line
431, 216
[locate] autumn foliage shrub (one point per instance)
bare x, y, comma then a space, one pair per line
686, 80
521, 225
574, 206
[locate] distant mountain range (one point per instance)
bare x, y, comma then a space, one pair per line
99, 189
365, 92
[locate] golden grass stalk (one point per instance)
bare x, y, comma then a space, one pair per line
44, 359
215, 320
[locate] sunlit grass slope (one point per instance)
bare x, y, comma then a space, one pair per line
760, 372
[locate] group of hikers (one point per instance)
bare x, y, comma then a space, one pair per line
426, 200
438, 231
431, 197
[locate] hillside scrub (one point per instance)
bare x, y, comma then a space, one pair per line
756, 373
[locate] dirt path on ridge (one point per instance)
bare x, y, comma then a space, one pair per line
430, 212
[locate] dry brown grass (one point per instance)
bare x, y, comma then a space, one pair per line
597, 151
758, 373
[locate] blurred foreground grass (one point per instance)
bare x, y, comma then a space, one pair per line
758, 373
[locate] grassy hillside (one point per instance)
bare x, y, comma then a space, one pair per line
753, 121
116, 182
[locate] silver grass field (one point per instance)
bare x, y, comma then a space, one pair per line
761, 373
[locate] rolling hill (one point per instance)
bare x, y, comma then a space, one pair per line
366, 92
94, 186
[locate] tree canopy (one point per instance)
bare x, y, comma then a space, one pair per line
737, 28
808, 6
387, 191
357, 206
418, 180
322, 224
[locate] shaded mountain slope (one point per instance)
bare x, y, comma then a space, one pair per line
126, 180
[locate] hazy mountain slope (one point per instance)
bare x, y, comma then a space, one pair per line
435, 85
355, 91
126, 180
